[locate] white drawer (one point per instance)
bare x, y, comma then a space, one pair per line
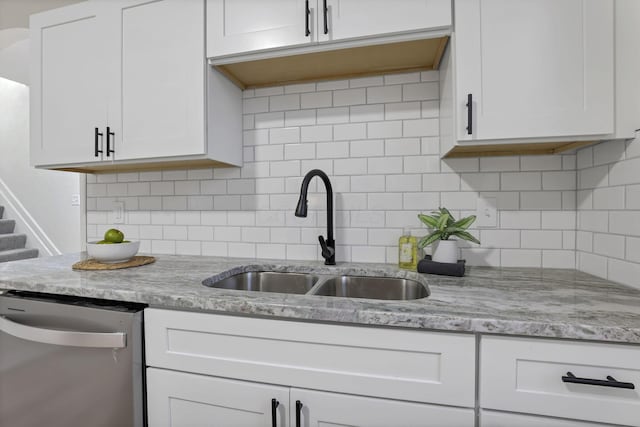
391, 363
525, 375
507, 419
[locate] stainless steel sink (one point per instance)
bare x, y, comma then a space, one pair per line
268, 281
385, 288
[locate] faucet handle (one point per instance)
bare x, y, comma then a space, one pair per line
327, 251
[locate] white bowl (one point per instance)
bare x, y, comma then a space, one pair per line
114, 252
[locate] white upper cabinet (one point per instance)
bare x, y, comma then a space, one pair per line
126, 82
236, 26
68, 92
535, 68
528, 71
161, 70
350, 19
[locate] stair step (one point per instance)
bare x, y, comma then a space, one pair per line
12, 241
7, 226
17, 254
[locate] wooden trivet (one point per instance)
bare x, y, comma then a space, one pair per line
92, 264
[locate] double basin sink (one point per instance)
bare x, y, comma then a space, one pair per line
381, 288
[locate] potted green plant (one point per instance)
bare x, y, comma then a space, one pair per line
444, 226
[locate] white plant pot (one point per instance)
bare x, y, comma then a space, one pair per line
445, 251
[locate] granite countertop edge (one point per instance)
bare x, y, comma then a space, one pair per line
523, 302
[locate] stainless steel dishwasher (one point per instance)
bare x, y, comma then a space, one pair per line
67, 361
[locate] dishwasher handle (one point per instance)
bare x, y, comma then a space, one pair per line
64, 338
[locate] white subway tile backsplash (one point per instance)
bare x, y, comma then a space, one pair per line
378, 139
284, 102
349, 131
349, 97
483, 181
332, 115
368, 183
388, 129
420, 91
566, 180
384, 201
541, 163
520, 220
383, 94
558, 259
384, 165
441, 182
611, 152
421, 127
541, 200
521, 181
402, 110
499, 164
541, 239
300, 88
610, 245
255, 105
366, 113
407, 182
316, 99
520, 258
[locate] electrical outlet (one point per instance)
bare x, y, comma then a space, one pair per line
487, 212
75, 200
118, 212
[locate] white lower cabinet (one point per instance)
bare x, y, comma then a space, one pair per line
341, 375
178, 399
591, 382
333, 409
506, 419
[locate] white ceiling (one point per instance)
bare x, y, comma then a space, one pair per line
15, 13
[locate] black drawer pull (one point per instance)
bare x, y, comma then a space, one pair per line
298, 410
307, 12
274, 407
324, 11
109, 135
609, 382
97, 134
469, 114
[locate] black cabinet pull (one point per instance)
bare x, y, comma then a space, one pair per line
274, 418
324, 11
609, 382
298, 410
96, 151
306, 21
469, 114
109, 135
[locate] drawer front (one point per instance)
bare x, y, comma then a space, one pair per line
506, 419
399, 364
525, 375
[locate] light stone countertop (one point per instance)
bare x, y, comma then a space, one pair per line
514, 301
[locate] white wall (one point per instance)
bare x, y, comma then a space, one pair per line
608, 238
46, 195
377, 139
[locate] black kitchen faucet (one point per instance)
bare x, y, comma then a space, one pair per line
328, 246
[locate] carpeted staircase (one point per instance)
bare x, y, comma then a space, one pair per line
12, 244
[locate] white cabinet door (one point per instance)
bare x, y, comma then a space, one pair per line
347, 19
507, 419
332, 409
534, 68
157, 102
243, 26
178, 399
68, 75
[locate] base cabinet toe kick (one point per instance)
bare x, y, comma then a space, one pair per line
231, 370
